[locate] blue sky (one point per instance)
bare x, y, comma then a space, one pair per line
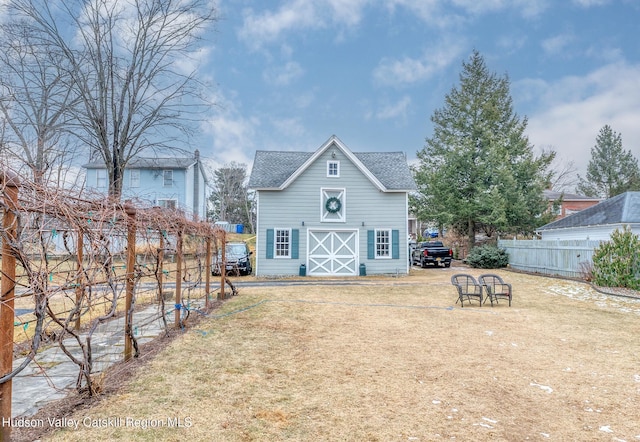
289, 74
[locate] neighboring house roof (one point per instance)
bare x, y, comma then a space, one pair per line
552, 195
151, 163
620, 209
274, 170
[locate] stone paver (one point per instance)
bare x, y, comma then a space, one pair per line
52, 375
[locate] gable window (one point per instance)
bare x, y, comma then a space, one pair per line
167, 178
333, 169
101, 178
134, 177
168, 203
282, 243
383, 243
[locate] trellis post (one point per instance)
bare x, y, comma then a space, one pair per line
130, 279
10, 184
178, 304
223, 264
207, 272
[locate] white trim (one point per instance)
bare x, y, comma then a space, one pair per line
328, 262
338, 217
337, 164
390, 244
275, 242
334, 141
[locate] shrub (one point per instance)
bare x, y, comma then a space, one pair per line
616, 263
488, 257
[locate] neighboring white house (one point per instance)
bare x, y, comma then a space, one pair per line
176, 183
597, 222
331, 212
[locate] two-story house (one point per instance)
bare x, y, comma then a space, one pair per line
331, 212
176, 183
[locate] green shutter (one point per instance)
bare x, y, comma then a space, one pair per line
269, 243
371, 244
395, 244
295, 243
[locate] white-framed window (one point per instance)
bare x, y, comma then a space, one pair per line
167, 203
167, 178
333, 205
101, 178
134, 178
282, 243
383, 243
333, 169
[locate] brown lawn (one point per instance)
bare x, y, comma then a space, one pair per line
393, 359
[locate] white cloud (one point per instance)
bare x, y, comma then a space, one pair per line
406, 71
572, 110
289, 127
394, 110
556, 45
438, 13
283, 75
589, 3
296, 15
232, 134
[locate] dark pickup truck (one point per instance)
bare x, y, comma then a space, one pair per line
431, 252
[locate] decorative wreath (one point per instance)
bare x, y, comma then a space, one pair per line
333, 205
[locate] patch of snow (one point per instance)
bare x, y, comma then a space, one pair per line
545, 435
490, 420
606, 429
542, 387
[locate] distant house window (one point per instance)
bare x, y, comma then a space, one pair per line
333, 169
383, 243
168, 203
101, 178
134, 177
167, 178
282, 243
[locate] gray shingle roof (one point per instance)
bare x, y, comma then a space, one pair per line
151, 163
272, 168
390, 168
620, 209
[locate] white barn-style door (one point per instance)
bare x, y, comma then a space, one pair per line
332, 252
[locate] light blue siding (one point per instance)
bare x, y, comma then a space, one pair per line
299, 206
151, 188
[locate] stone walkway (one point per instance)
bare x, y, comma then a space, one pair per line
52, 375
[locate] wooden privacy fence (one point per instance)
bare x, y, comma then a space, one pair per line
72, 263
571, 258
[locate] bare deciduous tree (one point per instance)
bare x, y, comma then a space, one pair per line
126, 62
35, 103
562, 175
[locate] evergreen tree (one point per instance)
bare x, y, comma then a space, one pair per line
478, 171
611, 170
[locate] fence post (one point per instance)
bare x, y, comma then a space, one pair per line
80, 276
10, 184
178, 303
130, 279
223, 264
207, 267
